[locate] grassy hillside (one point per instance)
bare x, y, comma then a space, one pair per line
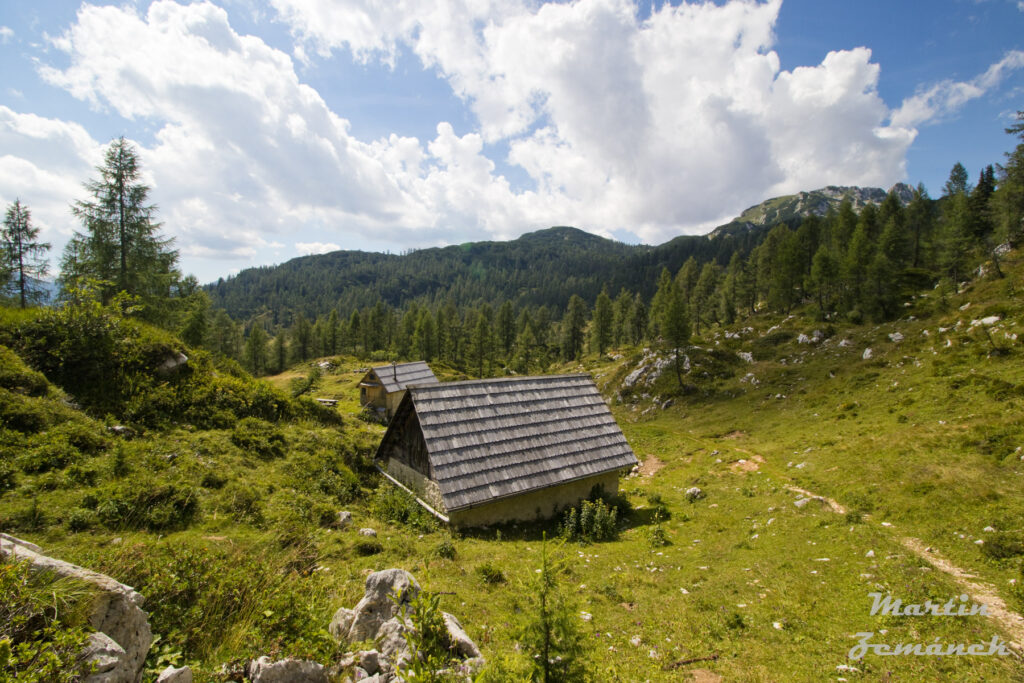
226, 525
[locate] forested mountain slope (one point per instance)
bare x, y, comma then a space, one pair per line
519, 270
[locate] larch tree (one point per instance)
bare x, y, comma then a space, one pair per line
122, 245
24, 256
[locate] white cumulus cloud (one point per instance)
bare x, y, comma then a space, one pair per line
658, 126
306, 248
946, 97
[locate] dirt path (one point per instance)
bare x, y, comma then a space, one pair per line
836, 507
1010, 621
982, 593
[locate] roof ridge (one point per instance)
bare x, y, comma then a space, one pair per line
495, 380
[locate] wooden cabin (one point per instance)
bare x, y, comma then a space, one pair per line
496, 450
383, 388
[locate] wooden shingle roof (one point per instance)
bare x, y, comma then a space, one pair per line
494, 438
398, 377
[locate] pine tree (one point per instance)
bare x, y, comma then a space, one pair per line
572, 328
302, 338
196, 329
24, 257
550, 631
702, 302
1008, 200
824, 271
658, 302
425, 336
623, 308
279, 352
602, 331
675, 325
331, 345
957, 183
122, 245
506, 327
638, 319
686, 279
256, 350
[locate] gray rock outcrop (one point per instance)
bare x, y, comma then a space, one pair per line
263, 670
172, 675
122, 639
384, 616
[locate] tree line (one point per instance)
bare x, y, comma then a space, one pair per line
856, 266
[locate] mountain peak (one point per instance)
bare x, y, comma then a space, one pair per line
813, 203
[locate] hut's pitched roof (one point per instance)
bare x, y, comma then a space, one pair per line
398, 377
494, 438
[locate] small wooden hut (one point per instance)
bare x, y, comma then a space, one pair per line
496, 450
382, 388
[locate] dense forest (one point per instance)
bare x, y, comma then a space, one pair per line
554, 294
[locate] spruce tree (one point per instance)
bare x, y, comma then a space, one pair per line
122, 245
24, 257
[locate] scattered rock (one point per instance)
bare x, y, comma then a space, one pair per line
895, 337
745, 356
344, 519
867, 353
122, 431
989, 529
367, 532
800, 502
172, 675
845, 343
263, 670
803, 339
172, 363
104, 657
461, 642
369, 661
695, 493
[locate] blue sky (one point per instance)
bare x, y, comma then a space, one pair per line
273, 129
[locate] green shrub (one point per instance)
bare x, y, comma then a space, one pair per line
432, 650
1003, 545
242, 502
368, 546
259, 438
659, 507
8, 478
150, 505
81, 519
594, 521
489, 573
445, 549
17, 377
204, 600
29, 414
53, 454
656, 536
391, 504
82, 475
85, 435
